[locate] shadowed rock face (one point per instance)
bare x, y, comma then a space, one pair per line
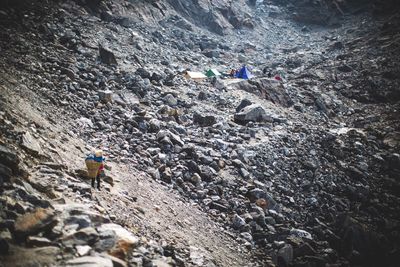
219, 16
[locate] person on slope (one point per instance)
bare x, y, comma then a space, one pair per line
95, 164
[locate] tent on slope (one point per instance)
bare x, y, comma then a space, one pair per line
212, 73
244, 73
197, 76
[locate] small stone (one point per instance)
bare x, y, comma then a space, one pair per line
37, 241
238, 222
83, 250
196, 179
105, 96
170, 100
300, 233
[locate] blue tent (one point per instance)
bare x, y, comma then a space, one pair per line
243, 73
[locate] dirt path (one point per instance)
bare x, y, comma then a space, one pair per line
159, 212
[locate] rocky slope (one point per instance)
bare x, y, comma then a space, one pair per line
221, 172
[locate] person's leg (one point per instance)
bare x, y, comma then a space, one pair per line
98, 181
93, 182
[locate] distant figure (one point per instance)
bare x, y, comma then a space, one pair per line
95, 164
233, 73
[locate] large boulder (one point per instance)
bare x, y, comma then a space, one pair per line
266, 88
255, 113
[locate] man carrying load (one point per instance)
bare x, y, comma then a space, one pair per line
95, 165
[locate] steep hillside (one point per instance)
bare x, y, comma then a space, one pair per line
296, 171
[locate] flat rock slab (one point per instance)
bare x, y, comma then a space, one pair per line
30, 144
69, 210
89, 261
37, 241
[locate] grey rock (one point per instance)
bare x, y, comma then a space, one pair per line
81, 187
196, 179
82, 221
304, 250
9, 158
204, 120
107, 56
31, 144
120, 233
244, 103
107, 240
157, 77
170, 100
212, 54
37, 241
89, 261
258, 193
285, 255
5, 173
238, 222
245, 174
85, 236
83, 250
247, 236
143, 73
300, 233
219, 206
255, 113
105, 96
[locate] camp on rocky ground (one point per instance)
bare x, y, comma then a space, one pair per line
248, 133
